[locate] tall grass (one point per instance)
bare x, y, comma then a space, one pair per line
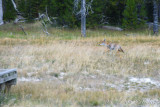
76, 71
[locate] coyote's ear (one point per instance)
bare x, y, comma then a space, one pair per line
104, 40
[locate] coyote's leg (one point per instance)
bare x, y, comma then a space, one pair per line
118, 53
107, 50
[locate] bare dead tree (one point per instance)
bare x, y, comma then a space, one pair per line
19, 17
83, 11
89, 7
83, 18
44, 28
1, 13
15, 6
22, 29
48, 16
155, 17
43, 22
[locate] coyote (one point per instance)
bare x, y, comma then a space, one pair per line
112, 46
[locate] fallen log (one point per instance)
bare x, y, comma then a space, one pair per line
112, 28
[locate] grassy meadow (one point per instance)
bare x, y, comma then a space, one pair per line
67, 70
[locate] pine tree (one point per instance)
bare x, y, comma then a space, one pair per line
141, 13
97, 15
29, 8
9, 11
130, 15
113, 10
63, 10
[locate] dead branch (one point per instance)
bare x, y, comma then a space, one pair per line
22, 29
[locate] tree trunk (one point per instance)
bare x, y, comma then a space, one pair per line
1, 13
14, 5
155, 17
83, 18
159, 9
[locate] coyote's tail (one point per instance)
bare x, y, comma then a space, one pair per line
120, 50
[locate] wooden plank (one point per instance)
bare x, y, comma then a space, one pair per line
2, 80
7, 71
10, 78
7, 75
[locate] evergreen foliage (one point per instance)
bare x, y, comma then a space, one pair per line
96, 17
130, 19
29, 8
126, 13
142, 14
149, 11
63, 10
113, 10
9, 11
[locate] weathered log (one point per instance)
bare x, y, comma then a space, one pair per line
112, 28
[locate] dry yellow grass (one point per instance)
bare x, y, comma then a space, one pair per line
54, 71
